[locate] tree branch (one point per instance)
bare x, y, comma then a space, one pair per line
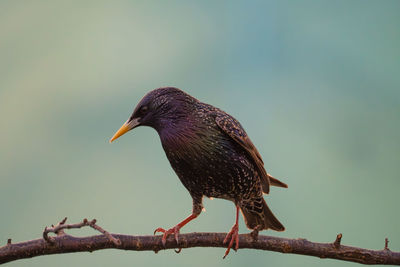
63, 243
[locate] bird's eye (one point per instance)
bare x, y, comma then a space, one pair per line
144, 109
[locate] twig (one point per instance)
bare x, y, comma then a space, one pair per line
336, 244
59, 230
93, 224
54, 229
63, 243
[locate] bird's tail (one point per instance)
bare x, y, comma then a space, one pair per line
257, 215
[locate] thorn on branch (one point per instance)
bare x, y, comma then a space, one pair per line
386, 244
59, 230
336, 244
63, 221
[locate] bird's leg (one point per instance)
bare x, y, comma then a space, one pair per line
233, 235
197, 207
174, 230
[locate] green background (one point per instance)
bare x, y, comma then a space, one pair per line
316, 84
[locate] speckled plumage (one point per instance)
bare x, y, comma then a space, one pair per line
210, 152
212, 156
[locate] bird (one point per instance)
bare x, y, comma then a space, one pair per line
211, 154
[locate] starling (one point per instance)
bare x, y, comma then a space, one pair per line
212, 156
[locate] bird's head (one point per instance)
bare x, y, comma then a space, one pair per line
159, 108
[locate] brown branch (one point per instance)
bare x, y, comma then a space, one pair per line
63, 243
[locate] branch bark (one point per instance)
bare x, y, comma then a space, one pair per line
64, 243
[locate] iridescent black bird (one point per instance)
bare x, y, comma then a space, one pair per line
212, 156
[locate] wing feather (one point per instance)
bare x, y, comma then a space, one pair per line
233, 128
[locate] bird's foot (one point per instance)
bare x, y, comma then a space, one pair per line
174, 230
233, 236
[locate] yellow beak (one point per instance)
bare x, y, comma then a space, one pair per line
126, 127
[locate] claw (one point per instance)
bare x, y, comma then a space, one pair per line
174, 230
237, 241
166, 233
232, 236
159, 229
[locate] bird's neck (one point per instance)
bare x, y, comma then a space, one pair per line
174, 120
176, 129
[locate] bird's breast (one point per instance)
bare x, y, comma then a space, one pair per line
208, 162
188, 146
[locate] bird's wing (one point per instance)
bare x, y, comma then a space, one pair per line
233, 128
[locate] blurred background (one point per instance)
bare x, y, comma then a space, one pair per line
316, 84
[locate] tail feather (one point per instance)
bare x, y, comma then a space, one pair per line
270, 180
257, 215
275, 182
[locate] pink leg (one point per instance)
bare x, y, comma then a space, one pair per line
174, 230
233, 234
